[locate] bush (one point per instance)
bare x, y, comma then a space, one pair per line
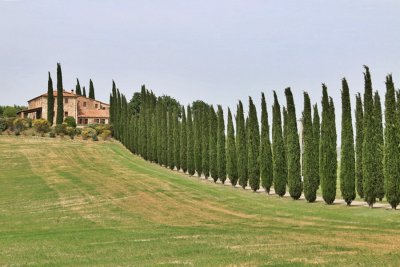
94, 137
105, 135
42, 126
88, 132
20, 124
52, 134
61, 129
71, 132
70, 121
3, 124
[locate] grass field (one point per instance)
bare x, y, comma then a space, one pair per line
72, 203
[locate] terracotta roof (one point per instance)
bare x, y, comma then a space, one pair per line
94, 113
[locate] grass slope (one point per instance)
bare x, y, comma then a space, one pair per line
66, 202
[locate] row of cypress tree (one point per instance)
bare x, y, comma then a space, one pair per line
194, 139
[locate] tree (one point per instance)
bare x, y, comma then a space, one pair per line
253, 147
198, 137
391, 150
380, 189
83, 91
213, 144
266, 169
221, 154
78, 90
316, 135
231, 158
91, 89
369, 149
241, 146
293, 149
205, 142
60, 99
347, 158
190, 143
183, 142
50, 101
278, 154
285, 126
177, 130
310, 172
170, 138
359, 144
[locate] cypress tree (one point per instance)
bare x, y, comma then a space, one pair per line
231, 158
278, 154
170, 134
241, 146
164, 136
177, 130
50, 101
266, 169
316, 136
213, 144
160, 131
190, 143
285, 126
293, 149
310, 172
380, 193
205, 142
83, 91
60, 94
91, 89
359, 144
369, 149
347, 160
253, 147
391, 151
198, 138
221, 154
183, 142
78, 90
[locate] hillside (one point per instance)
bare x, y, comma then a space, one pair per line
66, 202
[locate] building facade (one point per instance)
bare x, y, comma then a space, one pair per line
83, 109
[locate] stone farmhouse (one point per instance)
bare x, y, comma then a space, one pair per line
83, 109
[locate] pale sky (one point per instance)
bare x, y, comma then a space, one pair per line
216, 51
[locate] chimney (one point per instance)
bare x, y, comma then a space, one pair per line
72, 91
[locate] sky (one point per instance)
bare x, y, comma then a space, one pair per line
217, 51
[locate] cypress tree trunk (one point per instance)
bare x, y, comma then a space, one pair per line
60, 98
50, 101
177, 130
266, 170
183, 141
316, 135
347, 160
231, 157
78, 90
310, 172
170, 133
253, 147
241, 146
205, 142
198, 138
213, 144
221, 154
91, 89
359, 144
293, 149
380, 190
278, 154
190, 143
369, 151
391, 152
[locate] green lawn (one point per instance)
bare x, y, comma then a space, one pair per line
72, 203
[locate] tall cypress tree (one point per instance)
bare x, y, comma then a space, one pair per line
198, 138
293, 149
91, 89
170, 133
231, 158
285, 126
190, 142
50, 101
317, 136
278, 154
205, 142
380, 193
221, 154
78, 90
241, 146
391, 151
266, 169
347, 159
213, 144
359, 144
253, 147
83, 91
177, 131
310, 172
60, 99
183, 141
369, 146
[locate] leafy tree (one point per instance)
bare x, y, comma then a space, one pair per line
231, 158
221, 154
190, 143
91, 89
347, 158
293, 149
78, 89
391, 150
241, 146
213, 144
278, 154
380, 193
183, 142
359, 145
316, 135
50, 101
253, 147
266, 169
60, 102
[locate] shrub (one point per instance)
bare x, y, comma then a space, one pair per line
88, 132
71, 132
70, 121
3, 124
42, 126
94, 137
20, 124
61, 129
105, 135
52, 134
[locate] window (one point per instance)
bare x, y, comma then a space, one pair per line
96, 106
66, 114
103, 121
96, 121
65, 100
84, 104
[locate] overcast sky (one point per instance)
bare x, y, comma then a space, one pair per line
217, 51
